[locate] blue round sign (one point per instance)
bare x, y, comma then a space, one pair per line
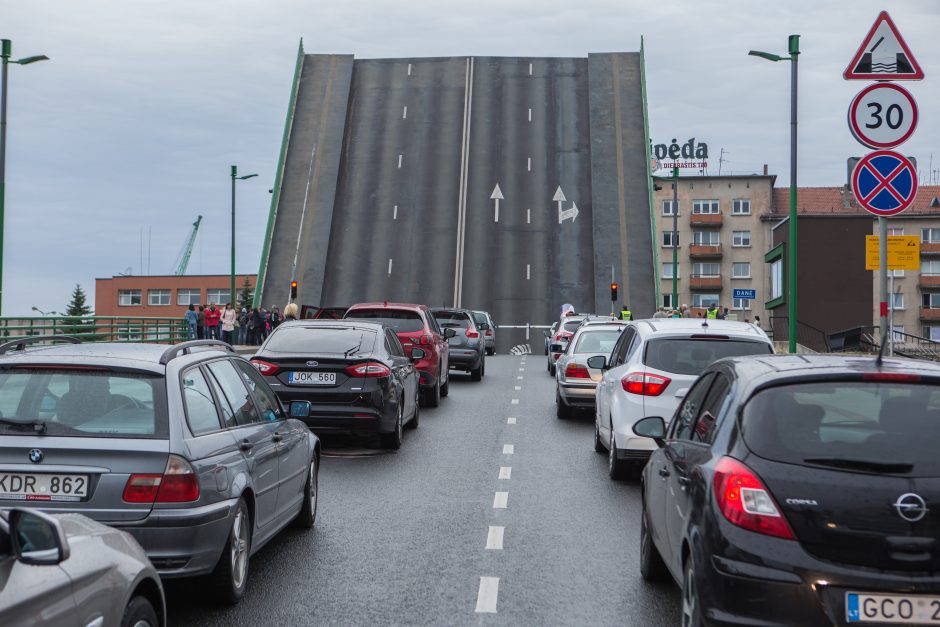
885, 183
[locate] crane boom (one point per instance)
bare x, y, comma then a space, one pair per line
188, 248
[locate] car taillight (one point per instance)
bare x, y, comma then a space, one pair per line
425, 339
472, 334
265, 368
489, 332
177, 484
577, 371
745, 501
645, 384
891, 377
369, 370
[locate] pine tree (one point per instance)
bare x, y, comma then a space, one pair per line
76, 311
245, 296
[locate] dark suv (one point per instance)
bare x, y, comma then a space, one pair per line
467, 346
416, 328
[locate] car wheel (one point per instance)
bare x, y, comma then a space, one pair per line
477, 373
598, 444
691, 612
140, 613
562, 409
551, 369
615, 467
652, 566
230, 577
432, 397
413, 423
393, 440
308, 511
445, 387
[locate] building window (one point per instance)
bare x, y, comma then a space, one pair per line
667, 271
932, 333
898, 274
741, 207
158, 297
129, 334
741, 304
705, 238
741, 238
218, 297
159, 334
897, 300
930, 267
668, 239
667, 207
741, 270
929, 236
705, 206
706, 270
667, 301
704, 300
776, 279
128, 297
931, 301
898, 333
188, 296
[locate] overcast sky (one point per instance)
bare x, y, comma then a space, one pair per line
133, 124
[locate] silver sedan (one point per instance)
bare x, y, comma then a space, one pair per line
574, 381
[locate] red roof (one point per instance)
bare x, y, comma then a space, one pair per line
841, 201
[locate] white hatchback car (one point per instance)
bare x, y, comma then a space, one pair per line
649, 371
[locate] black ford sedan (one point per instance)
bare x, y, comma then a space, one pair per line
355, 375
799, 490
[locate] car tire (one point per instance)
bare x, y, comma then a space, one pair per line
652, 566
616, 468
415, 418
140, 612
432, 397
551, 369
598, 444
477, 373
307, 517
691, 608
562, 410
230, 577
445, 387
393, 440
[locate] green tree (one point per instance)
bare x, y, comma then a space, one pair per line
245, 296
77, 312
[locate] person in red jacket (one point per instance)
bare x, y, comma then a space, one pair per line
212, 321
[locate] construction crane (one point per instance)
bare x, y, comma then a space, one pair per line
182, 258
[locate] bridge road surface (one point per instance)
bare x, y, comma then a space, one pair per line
401, 538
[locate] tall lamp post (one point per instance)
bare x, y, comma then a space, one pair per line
794, 48
6, 47
235, 177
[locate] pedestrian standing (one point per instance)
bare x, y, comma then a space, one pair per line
684, 311
192, 320
213, 316
660, 312
712, 312
625, 313
201, 323
257, 317
275, 317
228, 323
243, 327
290, 312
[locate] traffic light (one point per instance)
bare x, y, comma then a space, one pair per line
293, 290
613, 292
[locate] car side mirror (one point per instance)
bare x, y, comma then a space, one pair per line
300, 409
449, 333
546, 334
417, 353
653, 427
37, 538
597, 362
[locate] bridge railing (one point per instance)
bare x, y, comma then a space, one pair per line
98, 328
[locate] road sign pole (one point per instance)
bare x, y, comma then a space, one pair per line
883, 270
791, 283
891, 314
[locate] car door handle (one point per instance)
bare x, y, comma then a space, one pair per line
246, 445
277, 437
663, 472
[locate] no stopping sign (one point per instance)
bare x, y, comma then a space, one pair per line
883, 115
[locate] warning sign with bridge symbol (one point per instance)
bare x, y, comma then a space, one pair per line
884, 55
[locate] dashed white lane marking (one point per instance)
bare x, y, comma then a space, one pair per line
528, 164
518, 387
528, 216
520, 377
395, 213
399, 160
501, 500
515, 401
494, 539
487, 595
530, 69
508, 449
389, 267
404, 113
511, 420
409, 69
505, 472
528, 272
530, 115
521, 369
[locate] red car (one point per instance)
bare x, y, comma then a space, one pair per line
415, 327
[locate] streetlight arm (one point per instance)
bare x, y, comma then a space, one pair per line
247, 176
767, 55
28, 60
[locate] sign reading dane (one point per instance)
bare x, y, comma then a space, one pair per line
744, 294
883, 115
884, 182
883, 55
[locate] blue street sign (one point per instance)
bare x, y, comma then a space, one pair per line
745, 294
884, 183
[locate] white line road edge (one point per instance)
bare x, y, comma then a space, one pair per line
501, 500
487, 595
494, 538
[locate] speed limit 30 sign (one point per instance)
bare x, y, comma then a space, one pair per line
883, 115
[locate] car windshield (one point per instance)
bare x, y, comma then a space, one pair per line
597, 341
399, 320
452, 319
321, 340
852, 425
81, 402
685, 355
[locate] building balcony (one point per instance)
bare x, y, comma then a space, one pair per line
930, 248
926, 280
711, 283
931, 315
713, 252
706, 219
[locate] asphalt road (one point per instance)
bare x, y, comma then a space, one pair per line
401, 538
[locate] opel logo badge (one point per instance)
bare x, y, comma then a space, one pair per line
313, 363
911, 507
35, 455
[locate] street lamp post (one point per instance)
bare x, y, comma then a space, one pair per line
6, 47
235, 177
793, 58
675, 238
44, 313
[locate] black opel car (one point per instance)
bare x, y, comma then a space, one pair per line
799, 490
355, 375
467, 347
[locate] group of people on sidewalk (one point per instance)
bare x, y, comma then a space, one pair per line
249, 326
713, 312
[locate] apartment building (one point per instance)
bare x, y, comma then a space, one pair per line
163, 296
719, 239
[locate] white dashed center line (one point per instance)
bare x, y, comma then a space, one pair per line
528, 272
518, 387
511, 420
486, 597
395, 213
521, 369
494, 539
404, 113
530, 69
520, 377
389, 267
515, 401
528, 216
409, 69
501, 500
508, 449
530, 115
399, 160
505, 472
529, 164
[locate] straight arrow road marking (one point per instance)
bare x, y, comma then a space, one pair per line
487, 595
501, 500
494, 539
496, 196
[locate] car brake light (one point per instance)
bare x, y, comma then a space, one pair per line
369, 370
425, 339
265, 368
472, 334
893, 377
645, 384
745, 501
177, 484
577, 371
489, 332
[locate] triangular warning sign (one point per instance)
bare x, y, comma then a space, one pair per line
883, 55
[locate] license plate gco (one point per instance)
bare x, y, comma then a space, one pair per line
899, 609
42, 487
311, 378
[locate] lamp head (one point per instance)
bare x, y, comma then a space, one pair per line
33, 59
247, 176
767, 55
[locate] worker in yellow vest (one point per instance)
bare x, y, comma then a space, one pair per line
712, 312
625, 313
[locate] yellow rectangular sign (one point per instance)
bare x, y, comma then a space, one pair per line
903, 252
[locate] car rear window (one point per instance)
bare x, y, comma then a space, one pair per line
572, 325
853, 425
598, 342
479, 318
82, 403
321, 340
452, 319
399, 320
685, 355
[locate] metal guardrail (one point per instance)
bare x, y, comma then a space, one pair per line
97, 328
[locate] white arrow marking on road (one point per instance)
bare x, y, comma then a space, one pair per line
505, 472
496, 196
508, 449
568, 213
494, 539
501, 500
487, 595
559, 197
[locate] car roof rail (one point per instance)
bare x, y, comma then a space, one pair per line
22, 343
185, 348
